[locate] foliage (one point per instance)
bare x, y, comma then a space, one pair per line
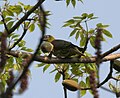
77, 24
73, 2
15, 64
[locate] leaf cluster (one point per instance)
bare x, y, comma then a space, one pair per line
81, 30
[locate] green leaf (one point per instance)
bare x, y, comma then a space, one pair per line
82, 92
83, 41
67, 2
21, 43
10, 24
107, 33
77, 17
46, 67
82, 84
88, 82
92, 41
9, 13
53, 70
81, 1
15, 36
68, 23
1, 22
16, 67
8, 19
57, 77
91, 31
100, 25
32, 27
93, 18
112, 87
40, 65
18, 9
2, 86
90, 15
84, 15
29, 50
73, 32
20, 3
73, 2
77, 35
27, 7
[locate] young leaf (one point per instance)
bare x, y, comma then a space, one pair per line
83, 41
8, 19
40, 65
80, 1
32, 27
77, 35
73, 32
92, 41
73, 2
67, 2
107, 33
88, 82
90, 15
46, 67
82, 92
29, 50
10, 24
57, 76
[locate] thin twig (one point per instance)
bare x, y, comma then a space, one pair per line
109, 75
3, 20
87, 38
108, 90
24, 33
115, 78
65, 90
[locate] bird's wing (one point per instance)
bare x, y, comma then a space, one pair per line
61, 44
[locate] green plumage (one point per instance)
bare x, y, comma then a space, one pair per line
62, 48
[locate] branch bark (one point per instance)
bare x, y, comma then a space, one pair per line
46, 59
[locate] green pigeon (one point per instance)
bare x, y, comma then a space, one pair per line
61, 48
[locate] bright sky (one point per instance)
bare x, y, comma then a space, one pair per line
43, 85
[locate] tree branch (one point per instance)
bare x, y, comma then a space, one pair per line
106, 89
51, 60
3, 20
115, 48
25, 30
109, 75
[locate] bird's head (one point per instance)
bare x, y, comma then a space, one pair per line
48, 38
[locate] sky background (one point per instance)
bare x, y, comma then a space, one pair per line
41, 84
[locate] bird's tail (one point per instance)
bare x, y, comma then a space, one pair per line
79, 48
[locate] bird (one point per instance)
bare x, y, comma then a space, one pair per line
61, 48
